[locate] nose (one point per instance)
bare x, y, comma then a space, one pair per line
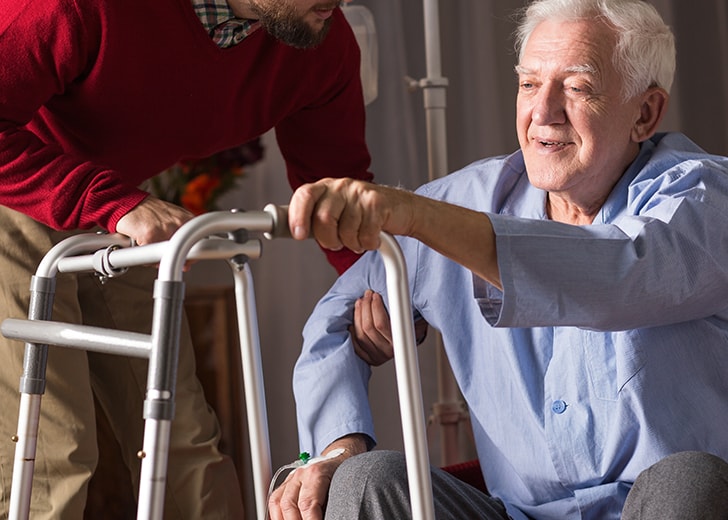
548, 105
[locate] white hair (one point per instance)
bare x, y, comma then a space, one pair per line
644, 55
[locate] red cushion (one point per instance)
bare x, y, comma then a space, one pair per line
468, 472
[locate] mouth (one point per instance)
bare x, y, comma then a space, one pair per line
323, 14
325, 11
550, 144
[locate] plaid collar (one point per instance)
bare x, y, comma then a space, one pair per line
221, 24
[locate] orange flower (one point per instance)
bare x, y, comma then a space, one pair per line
197, 184
198, 192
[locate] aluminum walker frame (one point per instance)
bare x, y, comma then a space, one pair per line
199, 239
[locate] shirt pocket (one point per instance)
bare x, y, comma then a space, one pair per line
612, 360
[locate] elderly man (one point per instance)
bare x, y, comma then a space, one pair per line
580, 287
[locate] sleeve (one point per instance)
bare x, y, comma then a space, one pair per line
327, 138
330, 381
341, 260
51, 49
663, 261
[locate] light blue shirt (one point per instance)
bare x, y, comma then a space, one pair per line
606, 350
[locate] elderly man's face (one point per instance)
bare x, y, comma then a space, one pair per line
573, 126
300, 23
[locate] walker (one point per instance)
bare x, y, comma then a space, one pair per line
216, 235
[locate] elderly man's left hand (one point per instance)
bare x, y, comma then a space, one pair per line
371, 332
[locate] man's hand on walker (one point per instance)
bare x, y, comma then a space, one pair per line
153, 220
348, 213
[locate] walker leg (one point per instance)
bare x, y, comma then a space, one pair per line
24, 463
154, 469
32, 387
252, 370
409, 387
159, 403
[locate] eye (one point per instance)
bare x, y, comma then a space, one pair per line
579, 88
526, 85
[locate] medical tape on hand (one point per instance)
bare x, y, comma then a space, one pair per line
304, 459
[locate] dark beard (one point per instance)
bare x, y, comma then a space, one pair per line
284, 24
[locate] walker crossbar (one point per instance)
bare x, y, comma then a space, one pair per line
81, 337
198, 239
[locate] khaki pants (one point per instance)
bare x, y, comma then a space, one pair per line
201, 482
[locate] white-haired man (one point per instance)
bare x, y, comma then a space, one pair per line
580, 287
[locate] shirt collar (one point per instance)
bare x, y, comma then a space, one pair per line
220, 22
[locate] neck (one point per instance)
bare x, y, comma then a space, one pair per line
563, 210
241, 9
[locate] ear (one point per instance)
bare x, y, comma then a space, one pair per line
653, 106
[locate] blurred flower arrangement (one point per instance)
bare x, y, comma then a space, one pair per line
197, 184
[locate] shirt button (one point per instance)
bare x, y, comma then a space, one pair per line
558, 406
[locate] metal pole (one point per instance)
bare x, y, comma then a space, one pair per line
434, 87
447, 410
252, 369
409, 388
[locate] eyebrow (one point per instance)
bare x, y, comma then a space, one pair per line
583, 69
575, 69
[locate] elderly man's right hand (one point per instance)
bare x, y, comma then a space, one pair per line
153, 220
348, 213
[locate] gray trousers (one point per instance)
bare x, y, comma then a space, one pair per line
373, 485
684, 486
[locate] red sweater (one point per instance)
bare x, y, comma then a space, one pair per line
99, 95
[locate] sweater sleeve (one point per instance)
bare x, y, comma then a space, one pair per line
51, 49
327, 138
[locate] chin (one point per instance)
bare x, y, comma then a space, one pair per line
547, 179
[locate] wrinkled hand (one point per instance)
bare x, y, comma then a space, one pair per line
349, 213
153, 220
304, 493
372, 331
346, 212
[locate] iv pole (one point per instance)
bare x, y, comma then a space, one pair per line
449, 409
